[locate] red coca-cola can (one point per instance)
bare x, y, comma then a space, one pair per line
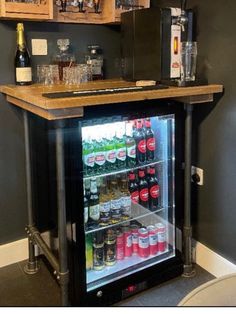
153, 244
120, 254
143, 242
134, 230
128, 246
161, 237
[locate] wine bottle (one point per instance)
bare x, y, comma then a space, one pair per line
22, 59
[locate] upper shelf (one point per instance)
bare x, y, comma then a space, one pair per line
30, 97
50, 11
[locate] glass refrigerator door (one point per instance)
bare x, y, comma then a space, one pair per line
128, 196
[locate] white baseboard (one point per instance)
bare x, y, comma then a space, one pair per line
13, 252
213, 262
17, 251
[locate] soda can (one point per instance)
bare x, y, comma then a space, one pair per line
134, 230
153, 244
120, 254
161, 237
128, 248
143, 243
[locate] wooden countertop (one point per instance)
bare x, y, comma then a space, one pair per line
30, 97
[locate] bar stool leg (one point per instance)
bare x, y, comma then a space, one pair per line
189, 271
32, 266
63, 277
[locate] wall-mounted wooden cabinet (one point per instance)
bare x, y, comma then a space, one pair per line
27, 10
109, 10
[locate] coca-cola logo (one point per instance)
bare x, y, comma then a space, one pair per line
135, 197
151, 144
142, 146
143, 194
155, 191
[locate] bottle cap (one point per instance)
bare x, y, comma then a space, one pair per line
20, 27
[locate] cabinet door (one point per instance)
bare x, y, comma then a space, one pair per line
27, 9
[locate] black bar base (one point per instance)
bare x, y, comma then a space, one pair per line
31, 268
189, 271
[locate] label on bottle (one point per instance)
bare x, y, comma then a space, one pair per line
24, 74
131, 151
142, 146
126, 205
151, 144
111, 156
105, 211
155, 191
143, 194
121, 153
89, 160
94, 212
116, 208
135, 197
100, 158
96, 66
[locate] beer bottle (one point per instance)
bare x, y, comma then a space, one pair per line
139, 136
87, 185
110, 148
104, 205
98, 250
150, 140
130, 146
88, 152
154, 189
94, 213
99, 150
110, 247
143, 189
120, 145
125, 199
133, 188
115, 202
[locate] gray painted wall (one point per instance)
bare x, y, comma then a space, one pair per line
13, 216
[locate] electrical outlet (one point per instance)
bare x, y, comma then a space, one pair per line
39, 47
197, 175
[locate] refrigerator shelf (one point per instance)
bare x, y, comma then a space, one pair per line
105, 174
145, 213
127, 266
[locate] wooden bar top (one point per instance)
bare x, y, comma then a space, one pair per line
30, 97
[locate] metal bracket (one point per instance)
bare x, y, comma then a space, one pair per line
187, 232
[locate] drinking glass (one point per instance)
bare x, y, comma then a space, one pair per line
188, 61
47, 74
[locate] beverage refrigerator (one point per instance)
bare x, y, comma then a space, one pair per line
124, 192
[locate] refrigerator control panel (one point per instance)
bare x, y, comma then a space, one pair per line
133, 289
